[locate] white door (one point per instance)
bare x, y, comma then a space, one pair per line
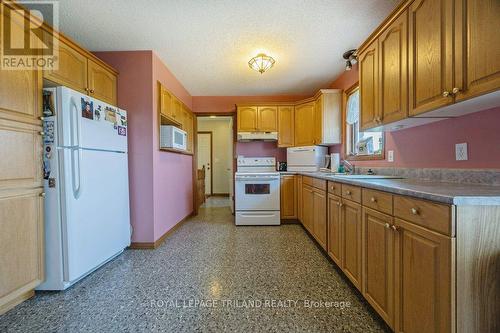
96, 208
205, 158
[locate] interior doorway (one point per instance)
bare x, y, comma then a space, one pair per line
205, 146
218, 159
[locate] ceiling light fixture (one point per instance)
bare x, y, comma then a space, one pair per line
351, 57
261, 63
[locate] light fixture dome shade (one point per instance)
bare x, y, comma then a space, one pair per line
261, 63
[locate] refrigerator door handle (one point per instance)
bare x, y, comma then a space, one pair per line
75, 172
75, 123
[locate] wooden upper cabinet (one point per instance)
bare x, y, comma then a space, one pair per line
20, 95
288, 200
334, 229
351, 241
286, 128
430, 50
304, 124
368, 86
477, 51
425, 279
393, 61
72, 70
102, 83
166, 103
319, 217
318, 120
247, 118
378, 263
176, 109
267, 119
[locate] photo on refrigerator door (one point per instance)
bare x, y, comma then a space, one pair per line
87, 109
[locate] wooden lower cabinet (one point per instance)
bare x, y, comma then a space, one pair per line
307, 207
288, 199
21, 245
319, 217
351, 241
378, 263
334, 228
424, 280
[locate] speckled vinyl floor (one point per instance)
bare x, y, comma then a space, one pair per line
208, 276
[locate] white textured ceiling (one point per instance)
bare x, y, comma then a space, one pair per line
207, 43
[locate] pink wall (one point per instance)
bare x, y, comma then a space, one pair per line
226, 104
173, 173
160, 182
433, 145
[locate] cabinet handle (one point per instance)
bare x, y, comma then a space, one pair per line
455, 90
42, 194
341, 204
446, 93
91, 91
41, 118
387, 225
42, 134
394, 228
373, 199
414, 211
86, 89
348, 192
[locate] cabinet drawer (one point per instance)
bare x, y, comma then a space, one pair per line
334, 188
319, 184
351, 192
377, 200
430, 215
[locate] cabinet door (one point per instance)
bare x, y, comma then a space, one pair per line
20, 95
368, 87
102, 83
286, 124
288, 200
247, 119
318, 120
176, 109
21, 245
267, 118
166, 103
424, 279
299, 197
319, 217
304, 125
393, 63
430, 52
477, 51
378, 263
351, 241
334, 229
307, 206
72, 70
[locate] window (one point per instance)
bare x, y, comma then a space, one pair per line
360, 145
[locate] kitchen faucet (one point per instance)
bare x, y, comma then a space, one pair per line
349, 167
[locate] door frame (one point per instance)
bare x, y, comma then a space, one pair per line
235, 136
211, 159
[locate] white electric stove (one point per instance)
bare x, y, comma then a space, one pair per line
257, 191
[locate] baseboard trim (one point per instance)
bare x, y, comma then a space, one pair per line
15, 301
290, 221
159, 241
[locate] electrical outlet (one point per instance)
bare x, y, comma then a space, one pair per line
461, 152
390, 155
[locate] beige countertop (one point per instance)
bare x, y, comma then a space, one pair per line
449, 193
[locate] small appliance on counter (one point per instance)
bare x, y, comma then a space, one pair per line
308, 158
173, 137
281, 166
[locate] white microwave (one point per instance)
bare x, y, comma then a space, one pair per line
173, 137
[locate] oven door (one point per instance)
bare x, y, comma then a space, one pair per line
257, 192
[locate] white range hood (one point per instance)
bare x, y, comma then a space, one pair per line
255, 136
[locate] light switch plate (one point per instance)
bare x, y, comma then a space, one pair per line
390, 155
461, 152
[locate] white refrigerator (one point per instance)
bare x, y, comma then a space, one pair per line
87, 219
